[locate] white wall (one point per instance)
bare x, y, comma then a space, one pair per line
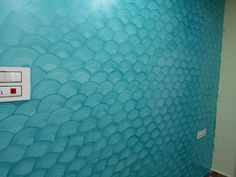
224, 160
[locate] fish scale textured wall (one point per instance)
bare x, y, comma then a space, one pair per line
119, 87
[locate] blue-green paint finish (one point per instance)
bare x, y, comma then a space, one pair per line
119, 87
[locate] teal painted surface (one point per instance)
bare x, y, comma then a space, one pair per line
119, 88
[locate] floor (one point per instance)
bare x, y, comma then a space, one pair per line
215, 174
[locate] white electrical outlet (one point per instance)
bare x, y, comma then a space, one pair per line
201, 134
14, 84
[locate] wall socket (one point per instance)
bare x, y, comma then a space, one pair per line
14, 84
201, 133
1, 92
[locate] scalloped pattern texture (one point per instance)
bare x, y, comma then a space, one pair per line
119, 87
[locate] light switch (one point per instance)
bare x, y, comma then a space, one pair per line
18, 77
14, 84
10, 76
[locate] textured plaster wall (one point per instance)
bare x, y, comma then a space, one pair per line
119, 87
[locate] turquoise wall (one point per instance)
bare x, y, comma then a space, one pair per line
119, 87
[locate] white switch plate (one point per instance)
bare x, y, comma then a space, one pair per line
201, 134
10, 76
14, 84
